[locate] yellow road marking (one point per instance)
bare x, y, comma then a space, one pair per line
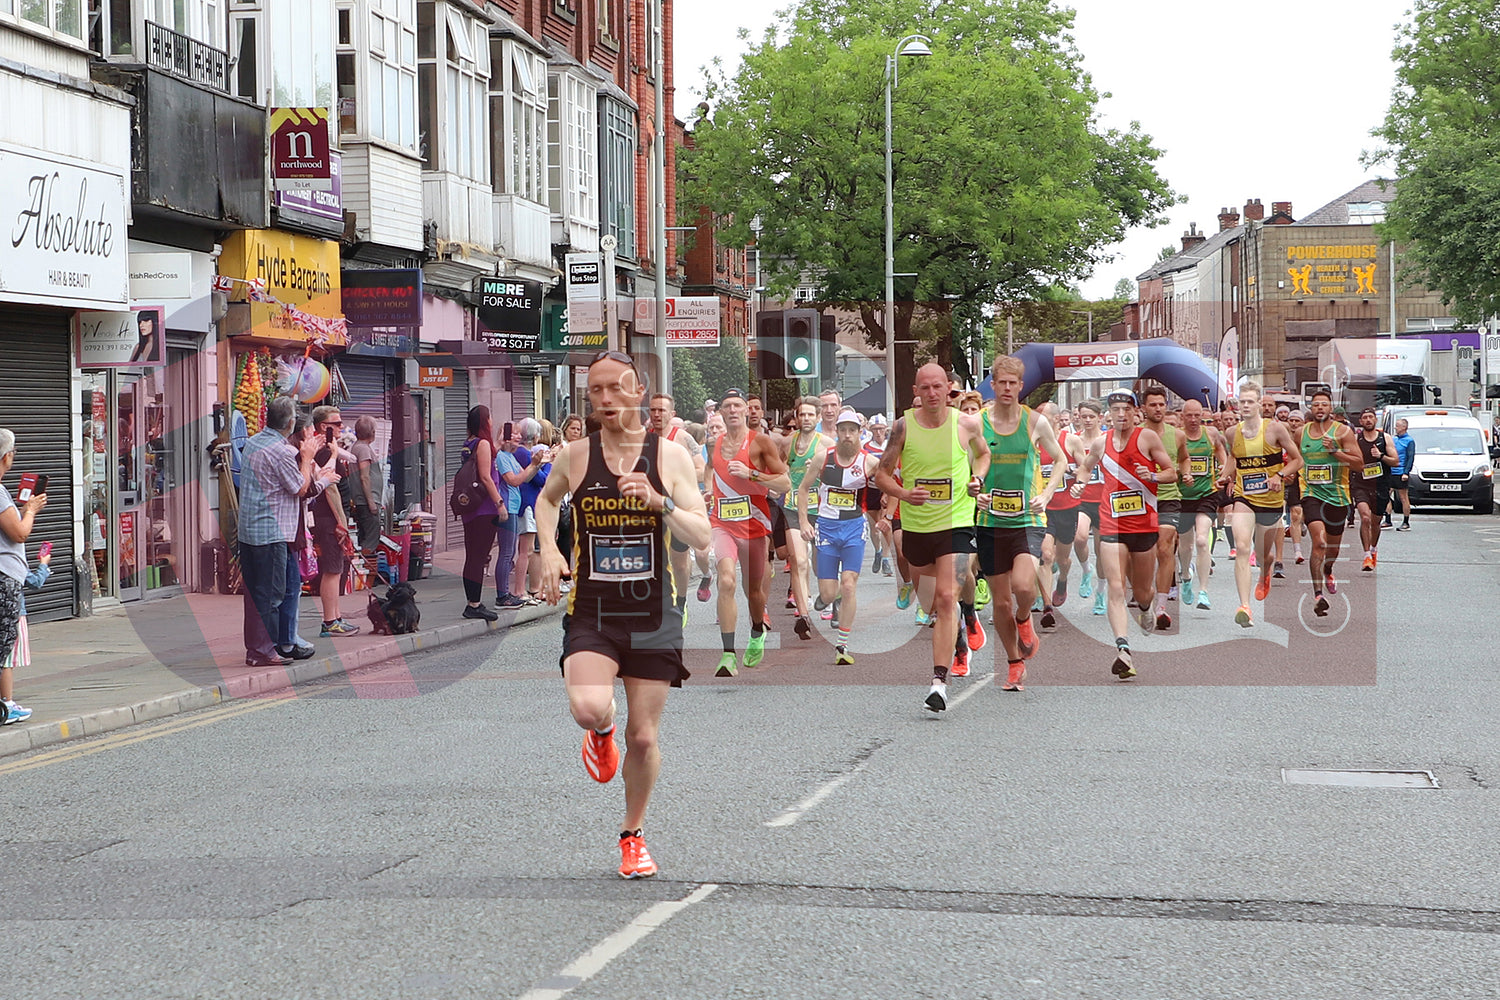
166, 728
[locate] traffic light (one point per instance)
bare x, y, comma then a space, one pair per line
788, 344
1477, 377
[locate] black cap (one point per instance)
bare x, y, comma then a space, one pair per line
732, 394
1121, 396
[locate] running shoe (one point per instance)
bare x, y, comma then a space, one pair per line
903, 596
1374, 558
1101, 602
981, 593
1278, 572
1048, 622
480, 612
937, 697
728, 666
819, 604
1300, 557
756, 650
1320, 607
1330, 584
803, 630
923, 618
1163, 621
1027, 639
1147, 620
1060, 594
842, 657
1385, 523
975, 633
885, 568
1369, 564
1405, 526
1187, 592
1124, 665
1086, 583
791, 603
635, 860
509, 601
703, 592
1263, 588
1232, 554
1203, 601
601, 757
875, 563
1242, 617
1252, 560
1015, 676
960, 666
338, 628
15, 712
1038, 604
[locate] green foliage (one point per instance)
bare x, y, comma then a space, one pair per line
1124, 289
710, 370
688, 389
1167, 252
1443, 137
1004, 183
1060, 322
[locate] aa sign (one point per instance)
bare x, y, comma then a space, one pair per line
301, 155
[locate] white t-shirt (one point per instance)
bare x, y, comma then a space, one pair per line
12, 554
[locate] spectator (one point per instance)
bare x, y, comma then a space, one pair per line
289, 645
274, 479
15, 527
367, 487
572, 428
512, 475
481, 524
530, 432
331, 527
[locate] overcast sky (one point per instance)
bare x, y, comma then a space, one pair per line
1273, 100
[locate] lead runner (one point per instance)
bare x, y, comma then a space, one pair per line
631, 496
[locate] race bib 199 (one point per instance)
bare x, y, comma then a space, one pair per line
1374, 470
1007, 502
841, 499
1198, 465
1127, 502
938, 490
1319, 475
622, 558
734, 508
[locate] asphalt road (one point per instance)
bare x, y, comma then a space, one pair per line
819, 834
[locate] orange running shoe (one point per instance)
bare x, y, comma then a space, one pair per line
1015, 677
1374, 558
974, 634
635, 860
1369, 564
601, 758
1026, 637
1263, 587
960, 666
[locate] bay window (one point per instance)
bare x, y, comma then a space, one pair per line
518, 114
454, 76
377, 71
572, 145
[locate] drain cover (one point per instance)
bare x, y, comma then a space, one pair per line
1358, 778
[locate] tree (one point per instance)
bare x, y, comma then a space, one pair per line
1124, 289
1167, 252
1443, 137
1004, 182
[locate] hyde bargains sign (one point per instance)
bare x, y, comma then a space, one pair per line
1091, 362
63, 240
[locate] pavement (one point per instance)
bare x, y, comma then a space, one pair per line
152, 659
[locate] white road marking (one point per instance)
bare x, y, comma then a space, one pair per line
807, 805
593, 961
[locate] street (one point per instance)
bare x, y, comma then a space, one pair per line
1084, 838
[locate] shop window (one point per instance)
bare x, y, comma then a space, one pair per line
65, 17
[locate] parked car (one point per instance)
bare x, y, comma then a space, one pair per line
1452, 464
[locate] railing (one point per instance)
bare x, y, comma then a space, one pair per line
187, 57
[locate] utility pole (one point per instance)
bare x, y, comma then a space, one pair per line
659, 182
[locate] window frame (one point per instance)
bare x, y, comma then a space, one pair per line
518, 117
380, 64
14, 16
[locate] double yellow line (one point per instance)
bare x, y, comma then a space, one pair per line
166, 727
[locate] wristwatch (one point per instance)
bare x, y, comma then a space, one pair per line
667, 506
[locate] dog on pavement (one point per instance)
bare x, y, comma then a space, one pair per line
396, 613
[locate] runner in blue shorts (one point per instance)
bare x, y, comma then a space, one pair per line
840, 475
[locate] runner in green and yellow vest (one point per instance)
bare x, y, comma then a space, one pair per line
1200, 506
943, 458
1329, 450
796, 451
1168, 499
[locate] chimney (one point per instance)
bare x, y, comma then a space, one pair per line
1192, 237
1281, 214
1228, 219
1254, 210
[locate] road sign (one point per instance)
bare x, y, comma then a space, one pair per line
690, 322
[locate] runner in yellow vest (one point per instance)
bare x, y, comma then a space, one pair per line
943, 458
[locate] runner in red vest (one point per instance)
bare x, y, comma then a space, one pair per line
1134, 462
744, 468
1062, 520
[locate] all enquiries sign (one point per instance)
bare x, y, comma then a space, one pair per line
63, 227
690, 322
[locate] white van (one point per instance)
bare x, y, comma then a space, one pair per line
1452, 463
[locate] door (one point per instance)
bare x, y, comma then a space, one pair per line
129, 486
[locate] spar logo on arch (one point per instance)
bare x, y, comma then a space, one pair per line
1095, 361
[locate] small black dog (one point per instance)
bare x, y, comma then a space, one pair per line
396, 613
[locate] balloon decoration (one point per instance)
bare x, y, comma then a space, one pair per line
304, 379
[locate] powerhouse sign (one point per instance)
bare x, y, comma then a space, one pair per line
64, 231
1085, 362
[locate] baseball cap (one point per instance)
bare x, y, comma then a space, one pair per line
847, 417
1122, 396
733, 394
710, 402
878, 420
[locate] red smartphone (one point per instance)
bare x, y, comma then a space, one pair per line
27, 488
44, 551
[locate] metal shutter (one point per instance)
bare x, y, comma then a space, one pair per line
523, 400
371, 385
455, 422
35, 402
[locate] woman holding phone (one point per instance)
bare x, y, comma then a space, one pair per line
481, 524
16, 524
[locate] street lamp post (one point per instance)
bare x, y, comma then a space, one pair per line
911, 45
1089, 313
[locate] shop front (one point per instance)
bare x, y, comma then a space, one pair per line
66, 256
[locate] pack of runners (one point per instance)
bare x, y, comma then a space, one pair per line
965, 502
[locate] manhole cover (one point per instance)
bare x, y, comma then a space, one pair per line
1358, 778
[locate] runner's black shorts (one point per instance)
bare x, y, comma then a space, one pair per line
1375, 496
922, 548
1334, 516
999, 548
1168, 513
794, 519
1293, 494
778, 527
1187, 521
1091, 508
1062, 524
1135, 541
871, 497
627, 637
1265, 517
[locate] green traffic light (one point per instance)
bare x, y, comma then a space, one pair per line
802, 364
